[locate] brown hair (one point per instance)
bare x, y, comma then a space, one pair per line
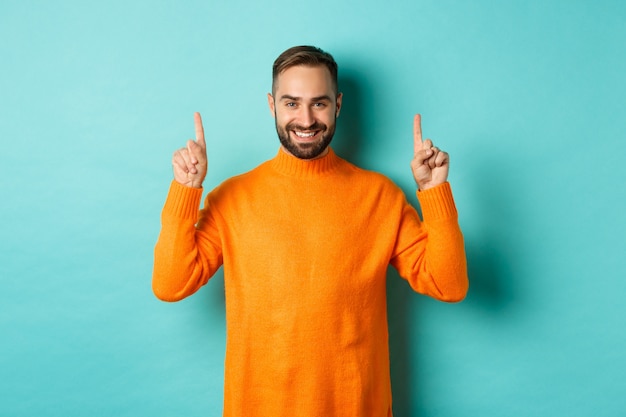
304, 55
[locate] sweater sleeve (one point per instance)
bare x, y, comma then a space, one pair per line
431, 254
184, 257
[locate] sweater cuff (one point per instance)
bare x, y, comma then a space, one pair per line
437, 203
182, 201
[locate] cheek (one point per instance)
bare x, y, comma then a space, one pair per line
280, 115
281, 120
329, 117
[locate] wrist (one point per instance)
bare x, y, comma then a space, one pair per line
189, 184
424, 187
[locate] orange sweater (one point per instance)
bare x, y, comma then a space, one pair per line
305, 247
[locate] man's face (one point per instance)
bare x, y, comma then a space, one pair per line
305, 108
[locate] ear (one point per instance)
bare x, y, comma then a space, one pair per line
338, 104
271, 104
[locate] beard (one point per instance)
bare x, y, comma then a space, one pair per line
309, 150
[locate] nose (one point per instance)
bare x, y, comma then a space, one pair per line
307, 118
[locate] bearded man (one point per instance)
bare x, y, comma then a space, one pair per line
305, 240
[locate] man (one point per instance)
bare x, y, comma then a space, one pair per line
305, 240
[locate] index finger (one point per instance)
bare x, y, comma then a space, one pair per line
199, 129
418, 145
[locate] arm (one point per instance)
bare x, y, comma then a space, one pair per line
431, 255
185, 258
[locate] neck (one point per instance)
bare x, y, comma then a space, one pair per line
289, 165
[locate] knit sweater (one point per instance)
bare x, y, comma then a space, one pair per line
305, 246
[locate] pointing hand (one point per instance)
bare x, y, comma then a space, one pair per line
429, 165
190, 163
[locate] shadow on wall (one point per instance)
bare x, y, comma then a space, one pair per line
494, 258
486, 271
349, 134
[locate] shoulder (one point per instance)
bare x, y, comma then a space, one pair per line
372, 178
373, 186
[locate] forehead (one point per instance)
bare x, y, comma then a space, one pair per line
304, 81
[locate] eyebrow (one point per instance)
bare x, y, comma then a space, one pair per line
314, 99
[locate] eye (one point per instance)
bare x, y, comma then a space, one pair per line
319, 105
290, 104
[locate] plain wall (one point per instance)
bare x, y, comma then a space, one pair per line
528, 97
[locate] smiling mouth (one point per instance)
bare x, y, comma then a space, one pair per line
305, 135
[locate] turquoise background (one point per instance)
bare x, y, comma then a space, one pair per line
528, 97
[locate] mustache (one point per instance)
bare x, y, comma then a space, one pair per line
314, 126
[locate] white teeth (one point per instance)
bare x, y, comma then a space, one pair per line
305, 135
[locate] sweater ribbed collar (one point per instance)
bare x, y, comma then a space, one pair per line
305, 168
